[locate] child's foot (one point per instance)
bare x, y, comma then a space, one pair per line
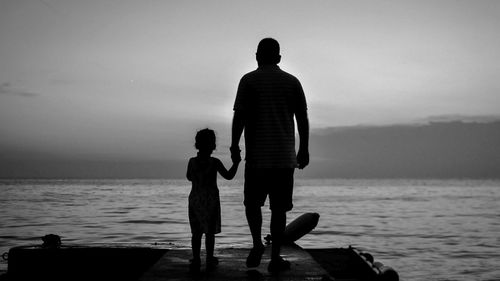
194, 265
212, 263
278, 264
253, 259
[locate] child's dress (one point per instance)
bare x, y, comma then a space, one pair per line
204, 202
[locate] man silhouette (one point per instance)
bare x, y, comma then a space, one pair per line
266, 102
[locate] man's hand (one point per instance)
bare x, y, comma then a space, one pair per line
303, 158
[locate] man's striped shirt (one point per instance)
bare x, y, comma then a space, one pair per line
269, 97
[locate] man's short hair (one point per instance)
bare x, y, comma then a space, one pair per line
268, 50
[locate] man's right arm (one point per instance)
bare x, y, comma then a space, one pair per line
236, 132
238, 120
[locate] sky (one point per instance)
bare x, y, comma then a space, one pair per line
130, 79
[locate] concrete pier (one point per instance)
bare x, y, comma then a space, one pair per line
128, 263
174, 266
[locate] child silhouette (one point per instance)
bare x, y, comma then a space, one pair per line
204, 202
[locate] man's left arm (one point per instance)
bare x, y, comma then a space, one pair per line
303, 128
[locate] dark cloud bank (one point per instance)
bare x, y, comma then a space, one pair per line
434, 150
7, 89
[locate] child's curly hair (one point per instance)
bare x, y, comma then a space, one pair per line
205, 140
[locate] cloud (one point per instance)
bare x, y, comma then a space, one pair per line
7, 89
48, 5
462, 118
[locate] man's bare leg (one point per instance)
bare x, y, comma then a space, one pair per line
254, 219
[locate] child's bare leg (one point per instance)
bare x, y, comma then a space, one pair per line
196, 245
212, 261
194, 266
210, 245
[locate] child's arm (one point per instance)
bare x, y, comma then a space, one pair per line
228, 175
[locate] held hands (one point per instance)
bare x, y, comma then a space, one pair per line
302, 158
235, 154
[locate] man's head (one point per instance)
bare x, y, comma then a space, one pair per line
268, 52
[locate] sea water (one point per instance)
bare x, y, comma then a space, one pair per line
425, 229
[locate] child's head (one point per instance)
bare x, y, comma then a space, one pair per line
205, 140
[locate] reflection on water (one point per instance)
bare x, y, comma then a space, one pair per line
425, 229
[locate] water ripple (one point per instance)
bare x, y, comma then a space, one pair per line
427, 230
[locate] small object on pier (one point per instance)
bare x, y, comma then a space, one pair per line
381, 271
367, 256
386, 273
300, 227
268, 239
51, 241
297, 228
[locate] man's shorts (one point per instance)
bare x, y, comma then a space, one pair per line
277, 183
